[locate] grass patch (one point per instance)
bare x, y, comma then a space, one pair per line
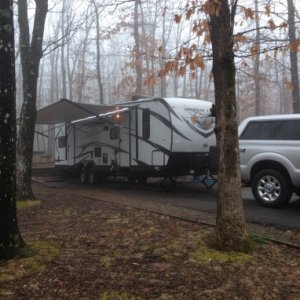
16, 268
198, 248
258, 239
22, 204
206, 255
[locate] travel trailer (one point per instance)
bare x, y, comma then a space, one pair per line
160, 137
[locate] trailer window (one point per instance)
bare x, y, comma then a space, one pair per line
146, 124
62, 141
98, 151
114, 133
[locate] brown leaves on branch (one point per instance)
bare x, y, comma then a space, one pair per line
186, 58
249, 13
289, 85
177, 19
272, 25
295, 45
268, 10
212, 7
200, 27
189, 58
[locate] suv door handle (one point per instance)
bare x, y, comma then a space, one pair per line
242, 150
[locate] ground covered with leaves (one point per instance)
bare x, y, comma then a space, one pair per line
93, 249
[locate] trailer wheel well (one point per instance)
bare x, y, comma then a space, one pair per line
86, 164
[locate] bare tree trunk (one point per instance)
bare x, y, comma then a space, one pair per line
70, 74
40, 86
31, 54
163, 80
10, 238
63, 68
149, 50
151, 90
98, 60
256, 62
137, 51
82, 81
293, 58
231, 231
71, 70
199, 79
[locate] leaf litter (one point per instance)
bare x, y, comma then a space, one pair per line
87, 249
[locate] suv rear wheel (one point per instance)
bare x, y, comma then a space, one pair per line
270, 188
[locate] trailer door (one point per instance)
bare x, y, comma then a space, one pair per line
124, 141
128, 139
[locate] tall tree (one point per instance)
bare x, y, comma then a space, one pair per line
98, 56
257, 61
163, 80
82, 62
63, 59
31, 53
10, 238
293, 57
137, 50
231, 231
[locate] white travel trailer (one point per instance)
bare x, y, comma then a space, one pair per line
161, 137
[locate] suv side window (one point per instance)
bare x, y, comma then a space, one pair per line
272, 130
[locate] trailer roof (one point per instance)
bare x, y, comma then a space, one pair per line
66, 111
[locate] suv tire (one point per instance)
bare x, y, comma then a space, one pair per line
270, 188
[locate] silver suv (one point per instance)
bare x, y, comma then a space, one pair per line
270, 157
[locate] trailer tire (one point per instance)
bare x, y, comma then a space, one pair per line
142, 179
131, 179
91, 176
168, 183
83, 175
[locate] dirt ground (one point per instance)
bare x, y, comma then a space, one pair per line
86, 248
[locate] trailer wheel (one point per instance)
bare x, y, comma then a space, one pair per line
131, 178
91, 176
168, 183
83, 175
142, 179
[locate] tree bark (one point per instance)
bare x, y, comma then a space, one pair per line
10, 238
31, 53
98, 59
256, 62
231, 231
163, 79
63, 59
137, 50
293, 58
81, 64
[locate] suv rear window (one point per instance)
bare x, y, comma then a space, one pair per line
272, 130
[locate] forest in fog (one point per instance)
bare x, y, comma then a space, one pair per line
105, 52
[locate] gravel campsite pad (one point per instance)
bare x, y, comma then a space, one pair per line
85, 248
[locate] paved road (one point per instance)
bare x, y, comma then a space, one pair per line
196, 197
287, 217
